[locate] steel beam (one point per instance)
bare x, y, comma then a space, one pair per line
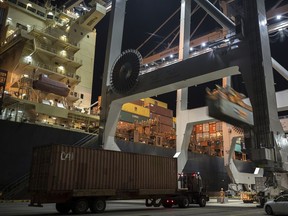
214, 12
182, 94
113, 50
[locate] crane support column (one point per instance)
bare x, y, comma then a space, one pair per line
182, 94
267, 132
114, 44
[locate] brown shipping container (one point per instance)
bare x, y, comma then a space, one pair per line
57, 168
162, 128
138, 102
160, 110
162, 119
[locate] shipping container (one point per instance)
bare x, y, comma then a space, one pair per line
160, 110
162, 128
212, 127
131, 118
162, 119
68, 169
206, 135
206, 127
199, 137
148, 101
199, 128
136, 109
78, 179
138, 102
218, 126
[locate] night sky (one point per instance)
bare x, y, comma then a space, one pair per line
144, 17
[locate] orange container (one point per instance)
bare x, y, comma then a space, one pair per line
199, 128
212, 127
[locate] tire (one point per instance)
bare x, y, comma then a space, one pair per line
268, 210
157, 202
80, 206
98, 206
183, 203
63, 208
202, 201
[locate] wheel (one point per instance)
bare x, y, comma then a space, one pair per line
183, 203
98, 206
63, 208
157, 202
149, 202
202, 202
80, 206
268, 210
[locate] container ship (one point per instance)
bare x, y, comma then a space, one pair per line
47, 64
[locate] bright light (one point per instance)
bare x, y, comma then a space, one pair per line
28, 59
278, 17
163, 59
176, 154
63, 37
203, 44
171, 56
109, 7
61, 67
29, 5
263, 22
50, 13
191, 48
63, 53
257, 169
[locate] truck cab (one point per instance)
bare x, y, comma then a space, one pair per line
191, 191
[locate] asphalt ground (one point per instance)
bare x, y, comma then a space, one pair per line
234, 207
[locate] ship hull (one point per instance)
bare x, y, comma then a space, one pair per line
18, 140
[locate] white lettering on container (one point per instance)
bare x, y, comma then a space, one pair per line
67, 156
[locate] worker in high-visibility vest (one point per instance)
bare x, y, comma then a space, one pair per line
222, 195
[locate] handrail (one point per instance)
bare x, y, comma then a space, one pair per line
10, 190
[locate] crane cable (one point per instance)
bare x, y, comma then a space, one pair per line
175, 29
157, 29
174, 38
193, 12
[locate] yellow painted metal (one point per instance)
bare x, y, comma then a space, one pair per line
148, 101
136, 109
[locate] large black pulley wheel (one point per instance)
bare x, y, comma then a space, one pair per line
98, 206
63, 208
80, 206
125, 72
